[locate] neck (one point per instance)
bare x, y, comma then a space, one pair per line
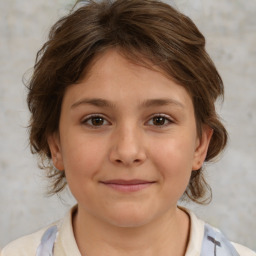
167, 235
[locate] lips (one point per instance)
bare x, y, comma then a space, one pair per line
128, 185
126, 182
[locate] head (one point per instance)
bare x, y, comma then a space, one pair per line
148, 33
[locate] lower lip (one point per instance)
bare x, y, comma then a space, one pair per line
128, 188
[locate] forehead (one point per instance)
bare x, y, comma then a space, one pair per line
115, 78
102, 63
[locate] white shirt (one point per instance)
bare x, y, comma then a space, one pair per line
65, 244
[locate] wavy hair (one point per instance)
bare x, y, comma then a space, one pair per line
141, 30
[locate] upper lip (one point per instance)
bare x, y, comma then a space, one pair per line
127, 182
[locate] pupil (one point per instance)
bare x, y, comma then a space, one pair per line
159, 120
97, 121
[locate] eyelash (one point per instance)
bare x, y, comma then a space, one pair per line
167, 118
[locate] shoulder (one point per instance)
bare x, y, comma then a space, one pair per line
243, 251
198, 230
24, 246
28, 245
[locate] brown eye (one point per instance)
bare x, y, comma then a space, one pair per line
97, 121
159, 120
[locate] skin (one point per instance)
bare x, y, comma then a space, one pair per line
128, 142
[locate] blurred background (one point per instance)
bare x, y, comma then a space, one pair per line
230, 31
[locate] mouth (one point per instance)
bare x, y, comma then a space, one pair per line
128, 185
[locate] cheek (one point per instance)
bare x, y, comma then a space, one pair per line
82, 159
173, 159
82, 162
174, 153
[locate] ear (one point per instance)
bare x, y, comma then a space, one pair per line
55, 148
202, 147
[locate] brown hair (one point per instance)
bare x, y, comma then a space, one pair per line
142, 30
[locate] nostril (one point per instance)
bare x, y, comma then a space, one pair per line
135, 161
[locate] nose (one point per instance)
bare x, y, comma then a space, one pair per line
127, 147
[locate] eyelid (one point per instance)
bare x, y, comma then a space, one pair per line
167, 117
84, 120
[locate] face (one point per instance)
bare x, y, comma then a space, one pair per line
127, 141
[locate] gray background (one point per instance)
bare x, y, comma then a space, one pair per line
230, 30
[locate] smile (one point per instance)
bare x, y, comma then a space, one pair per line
127, 185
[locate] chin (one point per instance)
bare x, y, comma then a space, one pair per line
129, 219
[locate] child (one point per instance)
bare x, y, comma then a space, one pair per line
122, 110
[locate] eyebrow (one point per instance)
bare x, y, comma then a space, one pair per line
99, 102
